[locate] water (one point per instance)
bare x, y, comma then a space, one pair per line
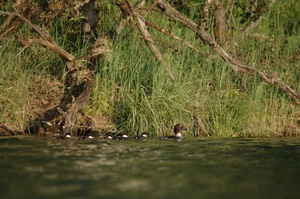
34, 167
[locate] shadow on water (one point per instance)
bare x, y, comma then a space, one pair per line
194, 168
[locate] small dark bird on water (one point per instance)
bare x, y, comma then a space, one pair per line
64, 137
109, 135
143, 136
121, 136
89, 136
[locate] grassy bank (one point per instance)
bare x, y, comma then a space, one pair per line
135, 93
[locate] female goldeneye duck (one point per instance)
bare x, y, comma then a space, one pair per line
143, 136
64, 137
178, 128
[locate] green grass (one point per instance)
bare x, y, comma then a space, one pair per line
14, 90
140, 94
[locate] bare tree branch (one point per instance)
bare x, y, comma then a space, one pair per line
37, 29
143, 29
45, 43
168, 10
204, 15
220, 24
126, 19
82, 82
10, 130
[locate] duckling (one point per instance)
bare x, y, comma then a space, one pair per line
64, 137
143, 136
178, 128
121, 136
89, 136
109, 135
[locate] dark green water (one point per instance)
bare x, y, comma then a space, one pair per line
194, 168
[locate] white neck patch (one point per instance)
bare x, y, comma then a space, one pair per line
178, 135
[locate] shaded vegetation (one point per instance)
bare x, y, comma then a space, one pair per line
134, 92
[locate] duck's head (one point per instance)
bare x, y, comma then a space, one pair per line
178, 128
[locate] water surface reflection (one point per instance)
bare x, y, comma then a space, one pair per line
194, 168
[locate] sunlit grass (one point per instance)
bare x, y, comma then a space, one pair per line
140, 94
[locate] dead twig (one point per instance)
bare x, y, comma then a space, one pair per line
10, 130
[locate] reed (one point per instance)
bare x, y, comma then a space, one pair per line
140, 94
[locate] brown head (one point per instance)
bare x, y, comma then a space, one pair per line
178, 129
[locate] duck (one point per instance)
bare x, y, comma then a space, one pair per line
89, 136
121, 136
64, 137
178, 128
143, 136
109, 135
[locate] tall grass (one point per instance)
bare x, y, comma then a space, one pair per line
140, 94
15, 78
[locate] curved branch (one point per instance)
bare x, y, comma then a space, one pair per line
172, 13
37, 29
50, 45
